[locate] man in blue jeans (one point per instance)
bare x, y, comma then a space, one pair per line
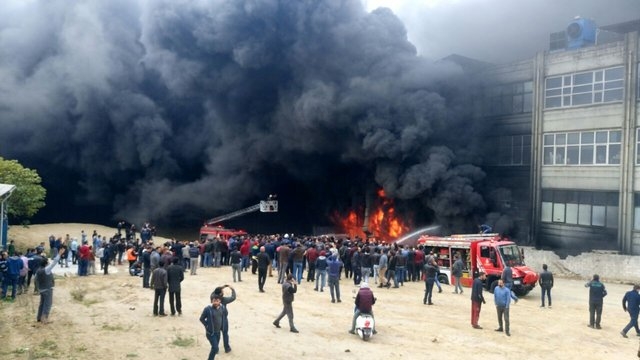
631, 304
212, 318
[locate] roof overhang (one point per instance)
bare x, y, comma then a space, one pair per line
6, 190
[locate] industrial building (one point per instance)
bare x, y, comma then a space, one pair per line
565, 140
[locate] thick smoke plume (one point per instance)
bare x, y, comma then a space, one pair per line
172, 109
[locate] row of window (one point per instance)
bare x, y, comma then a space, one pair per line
588, 208
514, 150
583, 148
507, 99
584, 88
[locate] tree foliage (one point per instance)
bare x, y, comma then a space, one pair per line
29, 195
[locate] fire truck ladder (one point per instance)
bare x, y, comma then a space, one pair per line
269, 205
234, 214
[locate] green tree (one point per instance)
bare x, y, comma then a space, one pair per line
28, 196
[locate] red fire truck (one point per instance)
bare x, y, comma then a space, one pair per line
213, 231
481, 252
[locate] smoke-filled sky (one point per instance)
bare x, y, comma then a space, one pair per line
164, 109
497, 31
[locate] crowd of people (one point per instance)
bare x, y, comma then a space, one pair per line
326, 261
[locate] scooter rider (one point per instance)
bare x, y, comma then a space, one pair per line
364, 304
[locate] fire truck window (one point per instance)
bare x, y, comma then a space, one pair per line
484, 252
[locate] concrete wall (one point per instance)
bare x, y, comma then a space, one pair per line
610, 266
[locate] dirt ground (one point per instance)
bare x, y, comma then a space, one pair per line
110, 317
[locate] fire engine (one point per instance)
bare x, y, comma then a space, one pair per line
488, 253
212, 228
213, 231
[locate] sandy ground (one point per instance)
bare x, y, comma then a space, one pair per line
114, 320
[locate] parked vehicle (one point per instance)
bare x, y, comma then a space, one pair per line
489, 253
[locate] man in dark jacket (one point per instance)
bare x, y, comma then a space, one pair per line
289, 287
597, 292
226, 300
431, 271
546, 283
175, 275
364, 305
456, 273
477, 299
159, 283
212, 319
631, 304
264, 261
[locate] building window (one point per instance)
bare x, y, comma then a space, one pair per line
591, 87
601, 147
508, 99
514, 150
636, 211
586, 208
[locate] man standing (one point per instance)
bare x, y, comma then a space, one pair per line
477, 299
263, 266
236, 264
334, 266
456, 273
597, 292
631, 304
502, 296
431, 271
289, 287
194, 252
546, 283
45, 283
225, 300
175, 275
146, 266
507, 276
382, 269
212, 319
283, 258
159, 283
364, 304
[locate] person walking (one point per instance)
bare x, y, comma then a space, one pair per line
597, 292
175, 275
502, 296
477, 299
212, 318
159, 283
546, 283
631, 304
456, 273
44, 283
289, 288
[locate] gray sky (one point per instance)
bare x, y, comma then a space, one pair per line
497, 30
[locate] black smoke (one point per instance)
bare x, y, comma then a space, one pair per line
176, 111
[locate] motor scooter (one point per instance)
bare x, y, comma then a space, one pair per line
364, 326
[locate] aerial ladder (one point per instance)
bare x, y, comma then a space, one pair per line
267, 206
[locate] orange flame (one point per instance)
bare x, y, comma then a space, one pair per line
384, 224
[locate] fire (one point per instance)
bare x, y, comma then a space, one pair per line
384, 224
